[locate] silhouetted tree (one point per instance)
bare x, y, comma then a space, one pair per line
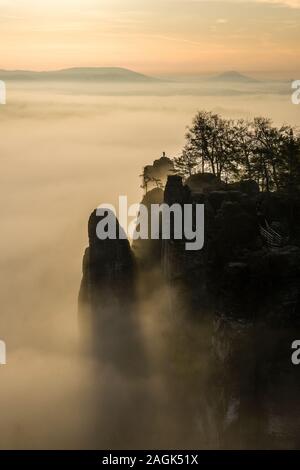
186, 163
245, 148
211, 143
242, 150
146, 179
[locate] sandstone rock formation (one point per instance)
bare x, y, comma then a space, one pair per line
107, 297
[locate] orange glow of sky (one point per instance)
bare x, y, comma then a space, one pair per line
152, 36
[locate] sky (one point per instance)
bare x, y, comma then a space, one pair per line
157, 37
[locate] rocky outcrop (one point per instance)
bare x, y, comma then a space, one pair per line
107, 296
203, 182
235, 262
148, 251
237, 294
251, 294
158, 172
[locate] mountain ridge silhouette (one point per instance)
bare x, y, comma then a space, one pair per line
79, 73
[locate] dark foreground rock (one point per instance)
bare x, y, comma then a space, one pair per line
234, 308
236, 272
107, 300
251, 292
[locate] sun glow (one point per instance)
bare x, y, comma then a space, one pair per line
147, 36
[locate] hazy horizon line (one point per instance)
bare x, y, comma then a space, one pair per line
157, 74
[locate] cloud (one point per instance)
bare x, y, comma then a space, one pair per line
289, 3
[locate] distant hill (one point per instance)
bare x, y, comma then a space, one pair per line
233, 76
93, 74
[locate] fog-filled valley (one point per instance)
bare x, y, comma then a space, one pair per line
66, 148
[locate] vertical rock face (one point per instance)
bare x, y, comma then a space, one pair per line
175, 258
148, 251
252, 293
107, 292
235, 262
175, 192
186, 271
249, 292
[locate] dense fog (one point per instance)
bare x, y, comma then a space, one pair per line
65, 149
